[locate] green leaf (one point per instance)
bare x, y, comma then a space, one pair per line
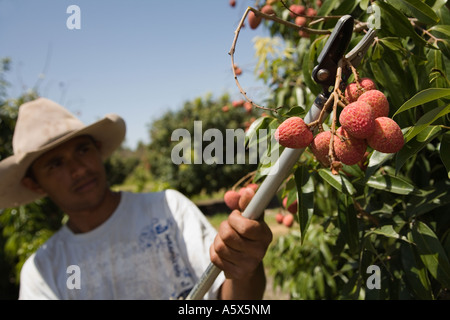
390, 183
413, 146
338, 181
431, 252
252, 132
422, 97
386, 230
444, 151
305, 198
416, 273
376, 161
348, 222
445, 29
425, 121
427, 200
397, 23
416, 9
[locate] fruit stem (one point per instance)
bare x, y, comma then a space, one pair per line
236, 35
248, 176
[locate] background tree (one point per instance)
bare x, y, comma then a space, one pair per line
187, 177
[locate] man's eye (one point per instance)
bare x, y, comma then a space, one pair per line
54, 164
84, 149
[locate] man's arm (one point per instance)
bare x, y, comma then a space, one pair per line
238, 250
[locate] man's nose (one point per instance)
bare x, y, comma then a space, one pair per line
76, 167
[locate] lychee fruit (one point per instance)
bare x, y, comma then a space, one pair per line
246, 196
237, 103
348, 150
267, 9
296, 9
288, 220
253, 20
254, 186
279, 217
358, 119
320, 147
248, 106
352, 91
294, 133
292, 207
231, 199
311, 12
300, 21
387, 136
378, 101
237, 70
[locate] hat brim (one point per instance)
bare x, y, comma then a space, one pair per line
110, 131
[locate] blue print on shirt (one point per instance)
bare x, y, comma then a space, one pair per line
149, 234
158, 236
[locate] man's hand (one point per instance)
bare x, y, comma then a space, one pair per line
240, 246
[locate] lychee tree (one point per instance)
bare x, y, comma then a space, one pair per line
389, 208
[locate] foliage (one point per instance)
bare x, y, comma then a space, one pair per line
190, 177
392, 210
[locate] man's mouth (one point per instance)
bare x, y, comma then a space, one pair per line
85, 185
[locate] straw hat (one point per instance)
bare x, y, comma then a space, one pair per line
41, 126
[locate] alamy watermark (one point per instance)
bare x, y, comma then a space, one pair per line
74, 20
214, 147
374, 280
74, 277
374, 20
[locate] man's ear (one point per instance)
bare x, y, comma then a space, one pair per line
32, 185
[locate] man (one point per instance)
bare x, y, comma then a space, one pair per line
117, 245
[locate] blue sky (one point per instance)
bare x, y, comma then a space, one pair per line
136, 58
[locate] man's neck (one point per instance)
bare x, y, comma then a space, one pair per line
87, 220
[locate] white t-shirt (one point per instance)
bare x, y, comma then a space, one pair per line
154, 246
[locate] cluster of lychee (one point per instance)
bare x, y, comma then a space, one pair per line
364, 123
239, 200
286, 217
302, 16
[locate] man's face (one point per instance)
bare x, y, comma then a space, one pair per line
72, 175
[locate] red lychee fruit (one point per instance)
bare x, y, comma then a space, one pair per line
237, 103
225, 108
349, 150
292, 207
267, 9
231, 199
237, 70
294, 133
279, 217
378, 101
254, 186
288, 220
296, 9
358, 119
320, 147
232, 3
300, 21
352, 92
253, 20
387, 136
248, 106
246, 196
311, 12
